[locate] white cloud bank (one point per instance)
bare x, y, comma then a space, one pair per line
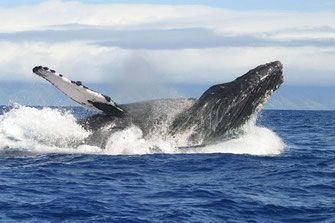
188, 44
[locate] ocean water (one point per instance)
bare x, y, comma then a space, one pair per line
280, 170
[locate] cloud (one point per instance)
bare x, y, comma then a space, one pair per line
57, 12
180, 44
91, 63
165, 38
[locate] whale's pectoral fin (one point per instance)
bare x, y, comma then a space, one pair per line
80, 93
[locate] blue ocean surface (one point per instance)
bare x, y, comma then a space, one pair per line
41, 182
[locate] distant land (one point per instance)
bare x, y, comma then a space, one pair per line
43, 94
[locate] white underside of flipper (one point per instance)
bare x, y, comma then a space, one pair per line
79, 93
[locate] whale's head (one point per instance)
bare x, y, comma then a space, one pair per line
223, 108
247, 93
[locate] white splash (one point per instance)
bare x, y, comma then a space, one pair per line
39, 130
47, 130
256, 140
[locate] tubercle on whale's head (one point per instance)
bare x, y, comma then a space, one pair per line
253, 85
269, 76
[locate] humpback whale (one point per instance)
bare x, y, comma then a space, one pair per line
217, 115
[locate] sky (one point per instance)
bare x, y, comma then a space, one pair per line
137, 50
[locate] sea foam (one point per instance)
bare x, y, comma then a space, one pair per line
42, 131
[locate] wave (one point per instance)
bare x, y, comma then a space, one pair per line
42, 131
